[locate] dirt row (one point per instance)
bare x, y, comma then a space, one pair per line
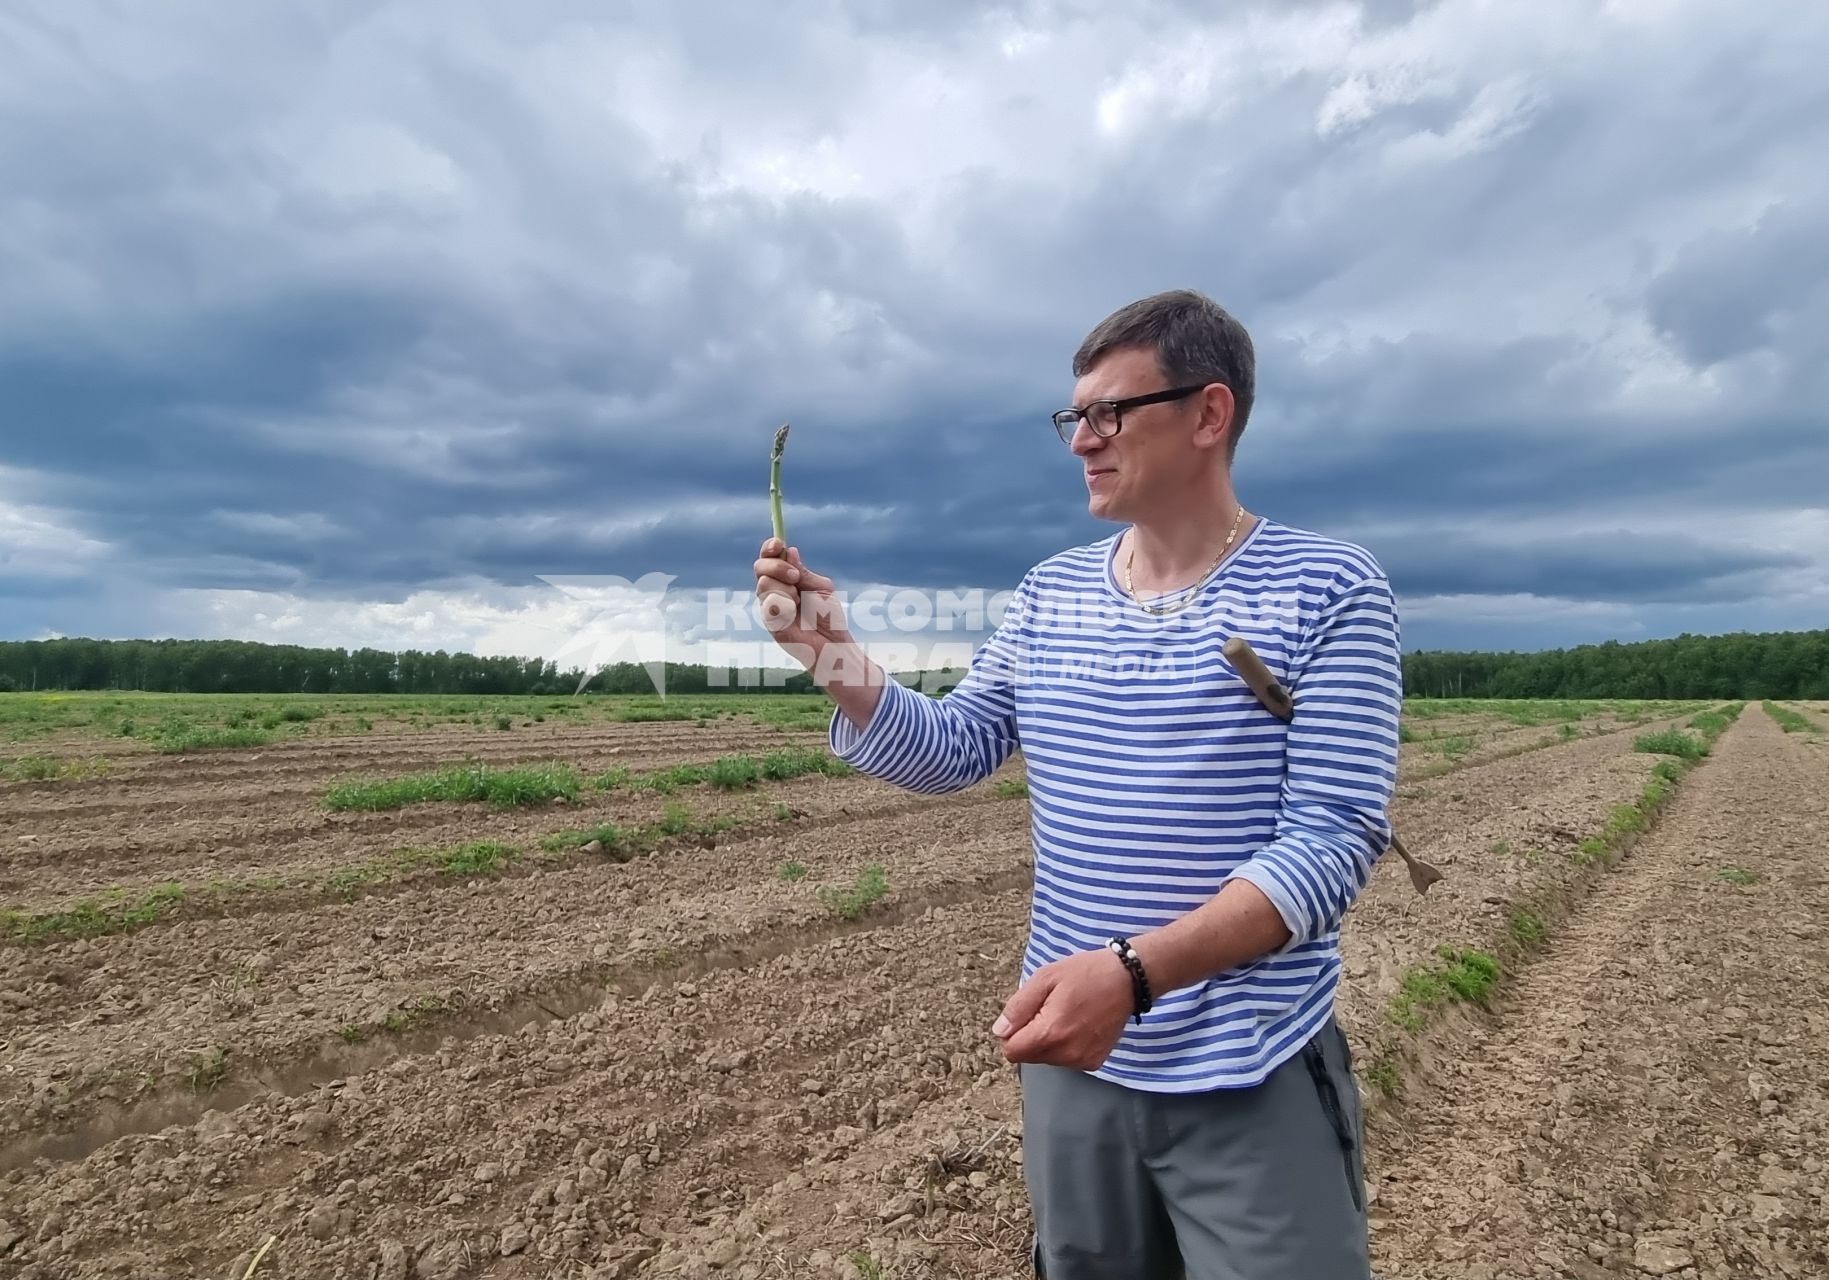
1651, 1100
162, 784
115, 1020
635, 1130
194, 836
128, 1017
278, 851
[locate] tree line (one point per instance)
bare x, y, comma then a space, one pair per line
1775, 664
1782, 664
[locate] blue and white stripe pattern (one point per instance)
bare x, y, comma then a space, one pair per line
1155, 776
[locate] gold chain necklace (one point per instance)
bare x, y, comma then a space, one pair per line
1188, 596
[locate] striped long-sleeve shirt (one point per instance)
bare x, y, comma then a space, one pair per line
1155, 776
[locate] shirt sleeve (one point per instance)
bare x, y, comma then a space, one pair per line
1341, 762
937, 745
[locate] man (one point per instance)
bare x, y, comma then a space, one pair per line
1188, 1103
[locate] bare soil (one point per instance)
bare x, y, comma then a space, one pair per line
245, 815
689, 1065
1651, 1098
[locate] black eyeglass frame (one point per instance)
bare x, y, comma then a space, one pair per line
1067, 421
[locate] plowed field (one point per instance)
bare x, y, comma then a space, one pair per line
755, 1042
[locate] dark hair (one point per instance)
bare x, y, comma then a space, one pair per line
1195, 340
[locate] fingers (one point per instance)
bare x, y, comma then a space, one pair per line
1022, 1007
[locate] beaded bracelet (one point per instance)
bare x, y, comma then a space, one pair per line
1139, 981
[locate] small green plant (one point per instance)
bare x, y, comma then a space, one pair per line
478, 858
793, 871
1736, 875
502, 788
735, 773
1468, 976
1382, 1075
1501, 847
207, 1070
612, 838
177, 740
676, 820
1528, 928
865, 892
352, 1033
1012, 788
504, 722
868, 1268
1453, 748
1671, 742
1788, 720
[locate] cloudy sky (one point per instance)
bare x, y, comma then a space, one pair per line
352, 323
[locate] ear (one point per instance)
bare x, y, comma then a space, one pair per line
1216, 411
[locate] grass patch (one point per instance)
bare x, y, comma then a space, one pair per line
410, 1016
43, 768
207, 1070
1788, 720
607, 834
868, 1268
1454, 747
478, 858
793, 871
727, 773
502, 788
1466, 976
1382, 1075
1709, 723
1528, 929
1736, 875
91, 918
1010, 788
179, 739
1671, 742
865, 892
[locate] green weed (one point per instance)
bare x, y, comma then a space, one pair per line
865, 892
1788, 720
1467, 976
502, 788
1671, 742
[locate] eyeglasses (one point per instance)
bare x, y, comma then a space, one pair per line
1106, 417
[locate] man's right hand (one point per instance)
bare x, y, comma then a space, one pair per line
799, 607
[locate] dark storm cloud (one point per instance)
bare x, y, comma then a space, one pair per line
348, 300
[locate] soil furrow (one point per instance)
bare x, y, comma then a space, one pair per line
93, 1020
270, 856
1651, 1098
182, 783
643, 1120
64, 861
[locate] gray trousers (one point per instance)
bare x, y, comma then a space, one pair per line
1265, 1183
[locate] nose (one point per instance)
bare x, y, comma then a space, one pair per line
1085, 440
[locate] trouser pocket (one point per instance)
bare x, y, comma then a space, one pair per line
1326, 1087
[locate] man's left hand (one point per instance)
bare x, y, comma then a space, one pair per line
1070, 1014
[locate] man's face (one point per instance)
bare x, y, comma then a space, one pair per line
1153, 446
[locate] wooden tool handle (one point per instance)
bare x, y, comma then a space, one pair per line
1251, 668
